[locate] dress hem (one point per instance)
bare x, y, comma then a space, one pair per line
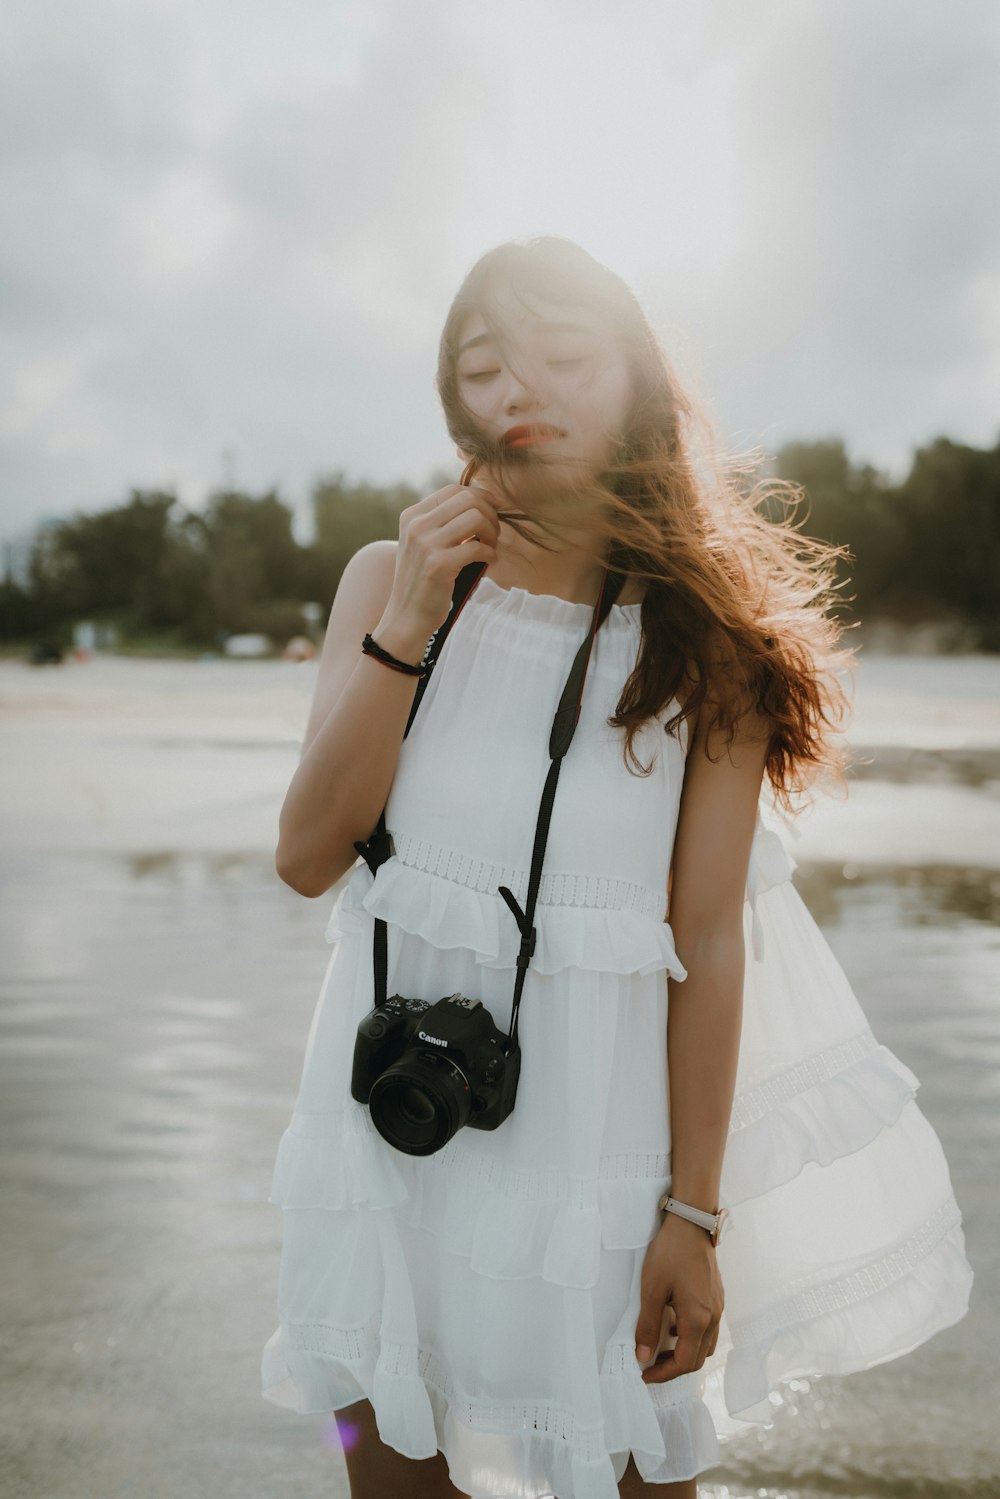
645, 1422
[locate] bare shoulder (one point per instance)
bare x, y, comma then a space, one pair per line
358, 605
375, 560
365, 584
720, 793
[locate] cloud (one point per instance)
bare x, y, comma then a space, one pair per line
872, 241
239, 226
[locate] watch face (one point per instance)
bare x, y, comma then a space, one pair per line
721, 1220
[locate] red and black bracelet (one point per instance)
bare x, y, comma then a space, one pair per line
372, 648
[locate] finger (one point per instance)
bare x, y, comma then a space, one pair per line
482, 493
474, 498
469, 523
649, 1325
681, 1359
664, 1367
661, 1368
688, 1350
449, 506
490, 514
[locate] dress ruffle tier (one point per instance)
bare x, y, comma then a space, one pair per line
810, 1289
484, 1299
627, 939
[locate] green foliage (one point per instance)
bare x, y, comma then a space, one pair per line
149, 567
94, 565
922, 550
951, 501
278, 618
345, 518
926, 548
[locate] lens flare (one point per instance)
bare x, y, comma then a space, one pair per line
342, 1433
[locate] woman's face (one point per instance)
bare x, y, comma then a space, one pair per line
552, 367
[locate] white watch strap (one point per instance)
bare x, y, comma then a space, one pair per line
670, 1204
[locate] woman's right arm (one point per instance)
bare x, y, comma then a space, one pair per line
400, 592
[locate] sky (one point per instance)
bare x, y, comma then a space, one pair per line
232, 229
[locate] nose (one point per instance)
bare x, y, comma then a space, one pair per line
522, 396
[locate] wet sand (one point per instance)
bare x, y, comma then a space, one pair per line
157, 986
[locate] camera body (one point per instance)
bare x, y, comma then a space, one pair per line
425, 1069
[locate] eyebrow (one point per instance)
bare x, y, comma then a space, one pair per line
485, 338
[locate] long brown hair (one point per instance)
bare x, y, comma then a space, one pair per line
737, 604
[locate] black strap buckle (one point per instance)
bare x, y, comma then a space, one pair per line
528, 934
527, 949
378, 848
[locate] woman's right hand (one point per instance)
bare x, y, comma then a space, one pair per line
438, 536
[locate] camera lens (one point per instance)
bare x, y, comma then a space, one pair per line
420, 1102
415, 1107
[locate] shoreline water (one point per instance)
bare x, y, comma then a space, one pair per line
178, 756
157, 989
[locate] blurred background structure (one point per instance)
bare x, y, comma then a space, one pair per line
231, 234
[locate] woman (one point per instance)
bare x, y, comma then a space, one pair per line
558, 1304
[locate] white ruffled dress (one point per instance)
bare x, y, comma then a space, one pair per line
484, 1299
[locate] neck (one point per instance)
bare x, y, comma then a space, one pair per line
567, 566
569, 573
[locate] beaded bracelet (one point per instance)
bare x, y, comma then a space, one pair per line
371, 647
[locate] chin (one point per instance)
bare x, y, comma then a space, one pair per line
543, 460
557, 489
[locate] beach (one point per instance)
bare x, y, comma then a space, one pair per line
158, 982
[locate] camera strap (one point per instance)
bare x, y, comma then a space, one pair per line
379, 847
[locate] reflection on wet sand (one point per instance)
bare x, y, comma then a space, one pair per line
157, 987
909, 765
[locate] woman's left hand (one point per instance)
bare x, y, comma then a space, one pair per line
681, 1294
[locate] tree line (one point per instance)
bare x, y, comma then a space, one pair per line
926, 549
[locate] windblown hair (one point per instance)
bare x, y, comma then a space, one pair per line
737, 604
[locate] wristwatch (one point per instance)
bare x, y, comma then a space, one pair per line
711, 1221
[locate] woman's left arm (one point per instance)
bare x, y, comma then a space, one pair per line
682, 1290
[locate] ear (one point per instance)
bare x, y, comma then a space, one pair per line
463, 457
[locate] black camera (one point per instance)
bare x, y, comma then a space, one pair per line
426, 1069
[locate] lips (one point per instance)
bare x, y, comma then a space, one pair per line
518, 437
